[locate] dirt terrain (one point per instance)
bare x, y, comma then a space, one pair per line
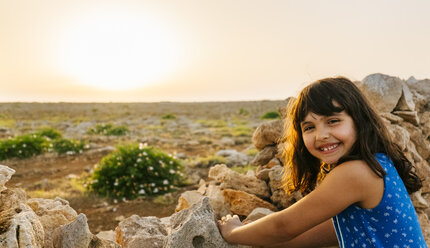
195, 132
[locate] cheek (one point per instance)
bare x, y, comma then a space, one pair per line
307, 140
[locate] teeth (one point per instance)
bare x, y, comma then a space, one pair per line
328, 148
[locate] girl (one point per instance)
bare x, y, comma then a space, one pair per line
363, 201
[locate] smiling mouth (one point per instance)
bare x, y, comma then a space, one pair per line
328, 148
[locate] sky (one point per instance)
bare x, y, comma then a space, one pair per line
201, 50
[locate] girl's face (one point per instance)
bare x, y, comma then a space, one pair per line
328, 138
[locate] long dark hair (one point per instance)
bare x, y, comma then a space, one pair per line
372, 135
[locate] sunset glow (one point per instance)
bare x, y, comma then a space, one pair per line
115, 51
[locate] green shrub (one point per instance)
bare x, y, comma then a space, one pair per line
23, 146
243, 112
108, 129
49, 133
212, 123
62, 146
135, 170
168, 117
271, 115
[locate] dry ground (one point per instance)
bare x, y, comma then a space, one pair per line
195, 133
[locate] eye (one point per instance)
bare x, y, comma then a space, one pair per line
307, 128
333, 121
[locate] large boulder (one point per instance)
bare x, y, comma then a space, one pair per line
195, 227
52, 214
229, 179
20, 227
136, 232
382, 91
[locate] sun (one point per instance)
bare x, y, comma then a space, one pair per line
113, 50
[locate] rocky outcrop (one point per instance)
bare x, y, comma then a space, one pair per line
41, 223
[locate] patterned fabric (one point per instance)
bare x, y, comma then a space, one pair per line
393, 223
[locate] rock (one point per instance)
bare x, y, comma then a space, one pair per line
417, 137
406, 101
409, 116
279, 197
262, 172
12, 198
256, 214
242, 203
5, 175
425, 122
422, 87
382, 91
399, 135
217, 201
423, 171
394, 119
234, 180
233, 157
107, 235
268, 133
195, 227
264, 156
75, 234
20, 227
187, 199
136, 232
52, 214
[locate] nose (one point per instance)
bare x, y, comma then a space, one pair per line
322, 133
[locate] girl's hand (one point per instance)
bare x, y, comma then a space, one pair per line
227, 224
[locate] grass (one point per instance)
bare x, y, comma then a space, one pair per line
244, 169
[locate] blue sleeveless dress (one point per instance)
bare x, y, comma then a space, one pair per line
393, 223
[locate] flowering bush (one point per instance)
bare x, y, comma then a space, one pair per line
271, 115
135, 170
23, 146
108, 129
70, 147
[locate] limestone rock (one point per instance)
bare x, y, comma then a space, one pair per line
422, 145
5, 175
382, 91
264, 156
418, 201
234, 180
422, 87
75, 234
268, 133
12, 198
409, 116
107, 235
394, 119
20, 227
195, 227
279, 197
52, 214
400, 136
242, 203
406, 101
234, 157
136, 232
187, 199
257, 214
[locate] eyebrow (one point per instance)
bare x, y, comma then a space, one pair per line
323, 116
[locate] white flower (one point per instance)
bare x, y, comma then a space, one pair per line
151, 168
171, 162
141, 146
142, 192
145, 154
139, 160
24, 145
156, 190
115, 183
165, 182
172, 171
153, 184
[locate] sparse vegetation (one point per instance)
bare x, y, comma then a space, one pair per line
168, 117
244, 169
108, 129
242, 130
67, 146
135, 170
271, 115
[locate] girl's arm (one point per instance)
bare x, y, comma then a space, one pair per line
348, 183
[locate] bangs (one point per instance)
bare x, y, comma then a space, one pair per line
319, 99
